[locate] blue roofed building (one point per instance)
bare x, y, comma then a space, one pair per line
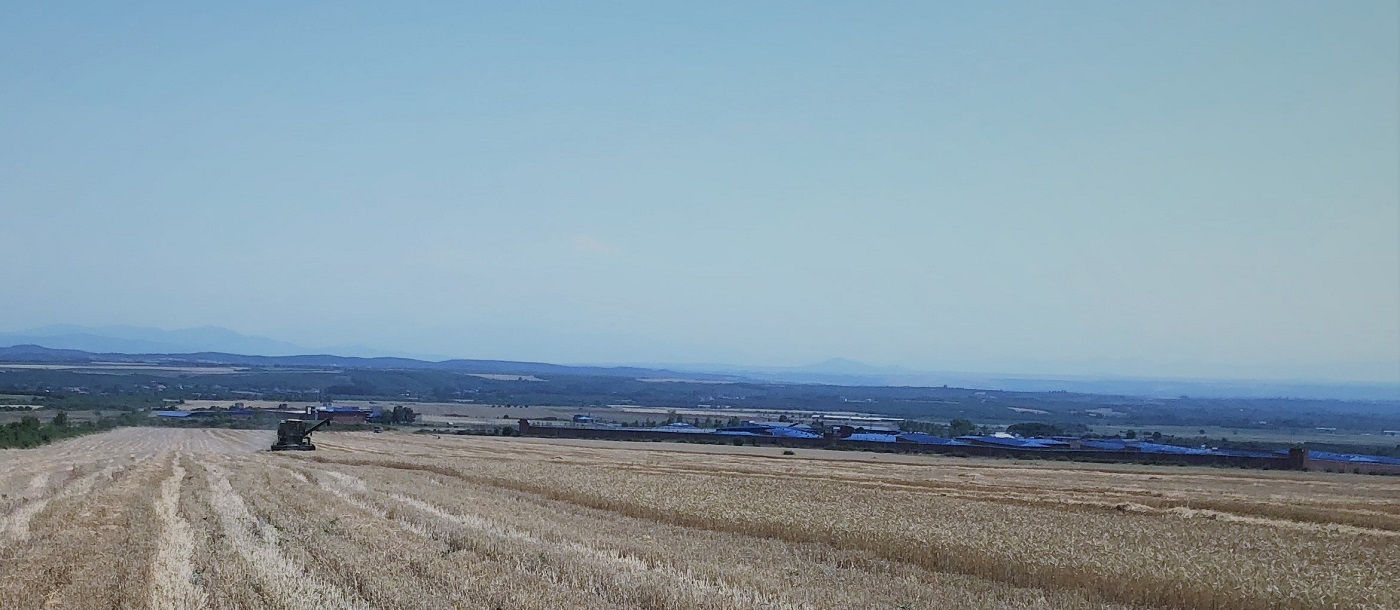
1006, 440
926, 439
1332, 456
344, 415
679, 427
792, 432
1104, 444
871, 437
765, 428
1172, 449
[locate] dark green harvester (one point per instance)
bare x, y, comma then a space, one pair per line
295, 435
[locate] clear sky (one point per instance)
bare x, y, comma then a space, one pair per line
1205, 189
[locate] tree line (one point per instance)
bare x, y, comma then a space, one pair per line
30, 431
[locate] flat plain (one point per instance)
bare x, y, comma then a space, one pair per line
176, 518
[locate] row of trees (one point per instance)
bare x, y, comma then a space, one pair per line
398, 415
29, 431
957, 427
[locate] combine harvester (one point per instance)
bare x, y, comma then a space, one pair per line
295, 435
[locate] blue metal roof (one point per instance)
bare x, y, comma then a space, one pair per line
792, 432
1005, 441
781, 429
872, 437
1015, 441
678, 428
1174, 449
927, 439
1349, 457
758, 430
171, 413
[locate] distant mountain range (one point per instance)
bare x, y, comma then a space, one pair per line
212, 344
142, 340
36, 353
146, 340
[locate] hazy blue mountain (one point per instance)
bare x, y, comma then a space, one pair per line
88, 342
215, 344
36, 353
144, 340
843, 366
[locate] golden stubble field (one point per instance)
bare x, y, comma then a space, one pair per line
167, 518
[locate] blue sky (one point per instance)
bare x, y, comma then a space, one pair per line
1167, 189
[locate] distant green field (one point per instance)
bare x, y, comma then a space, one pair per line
46, 415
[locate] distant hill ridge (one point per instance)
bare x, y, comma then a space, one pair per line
41, 354
212, 344
147, 340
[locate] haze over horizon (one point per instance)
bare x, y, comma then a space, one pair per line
1189, 190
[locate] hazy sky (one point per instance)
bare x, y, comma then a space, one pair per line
1149, 188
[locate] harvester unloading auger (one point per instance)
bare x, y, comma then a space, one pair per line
295, 435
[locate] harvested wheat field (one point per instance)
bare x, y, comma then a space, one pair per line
160, 518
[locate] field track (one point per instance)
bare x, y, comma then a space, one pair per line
167, 518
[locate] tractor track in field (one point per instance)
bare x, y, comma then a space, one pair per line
172, 573
348, 486
256, 541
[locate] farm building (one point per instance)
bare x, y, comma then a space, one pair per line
999, 444
926, 439
173, 414
1333, 456
345, 415
680, 427
1006, 440
869, 422
768, 428
205, 413
875, 437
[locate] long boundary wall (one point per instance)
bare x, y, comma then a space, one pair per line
1353, 467
1292, 462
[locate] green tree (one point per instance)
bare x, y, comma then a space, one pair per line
961, 427
405, 415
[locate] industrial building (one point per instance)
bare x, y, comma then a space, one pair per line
788, 434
